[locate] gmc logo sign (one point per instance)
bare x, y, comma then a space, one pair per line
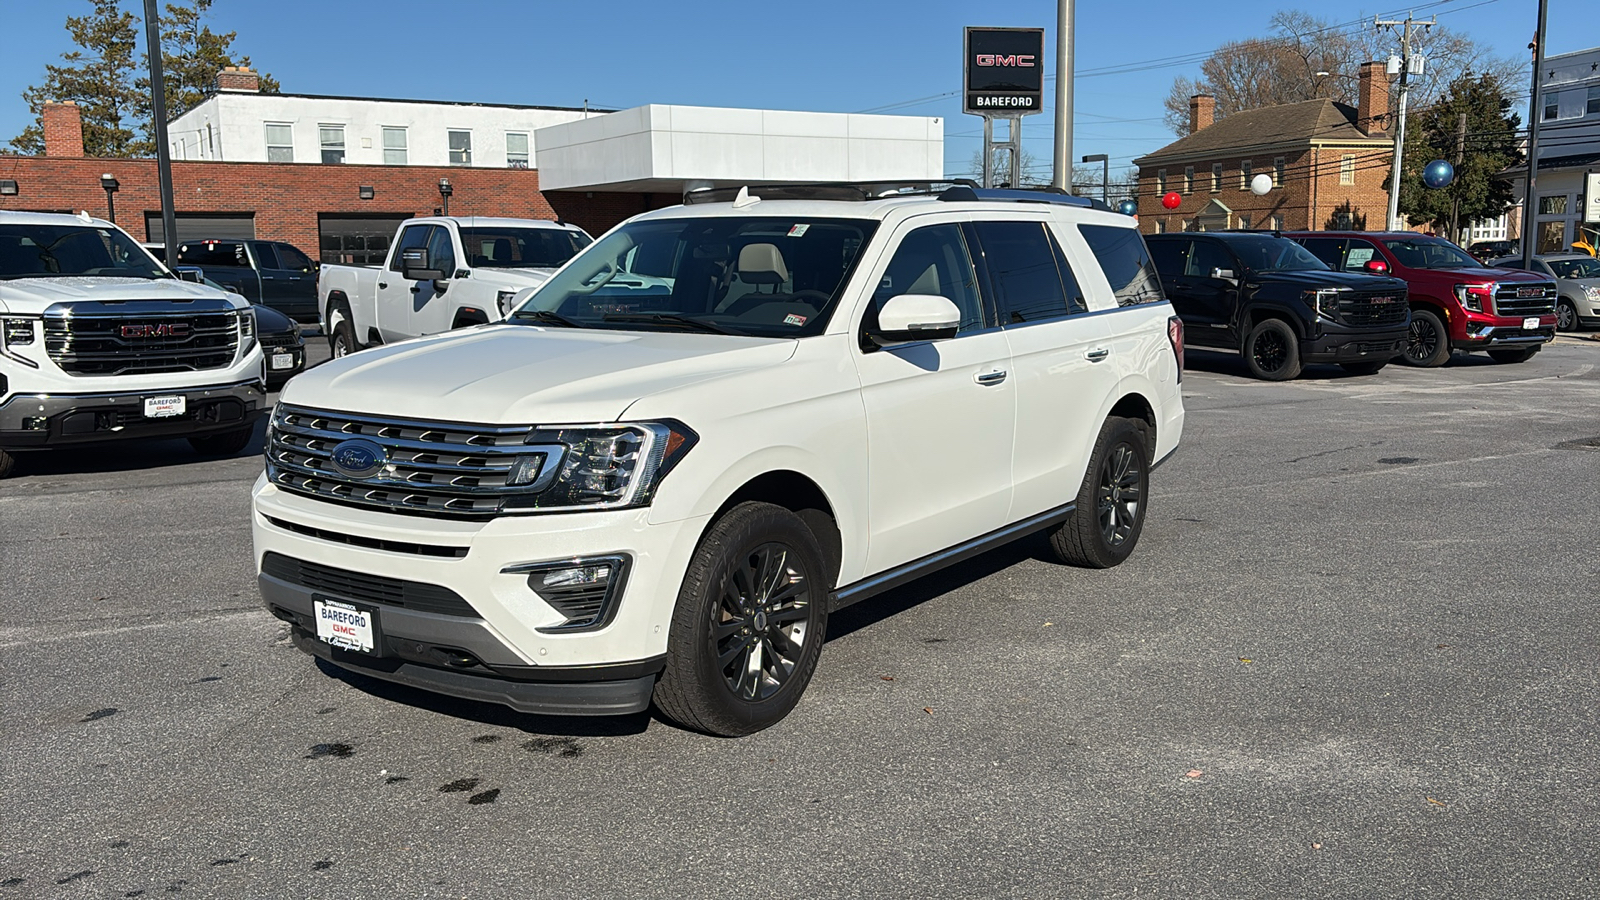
1530, 292
1019, 60
1381, 300
166, 330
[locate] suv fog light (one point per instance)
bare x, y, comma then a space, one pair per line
577, 576
585, 591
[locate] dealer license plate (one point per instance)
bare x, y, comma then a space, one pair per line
343, 625
164, 407
283, 360
1530, 323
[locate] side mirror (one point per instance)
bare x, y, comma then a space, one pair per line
1377, 267
190, 273
915, 317
415, 266
1225, 274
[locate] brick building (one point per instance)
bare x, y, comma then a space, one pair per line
1327, 162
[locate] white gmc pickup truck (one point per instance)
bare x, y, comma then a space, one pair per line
442, 273
99, 342
714, 426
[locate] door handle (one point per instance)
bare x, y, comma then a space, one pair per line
1097, 354
991, 378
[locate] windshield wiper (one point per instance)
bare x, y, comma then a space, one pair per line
670, 319
545, 317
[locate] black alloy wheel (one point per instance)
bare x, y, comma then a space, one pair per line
1118, 502
1110, 508
1427, 343
1272, 351
1566, 316
749, 624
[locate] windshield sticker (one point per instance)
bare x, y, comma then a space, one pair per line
792, 319
798, 231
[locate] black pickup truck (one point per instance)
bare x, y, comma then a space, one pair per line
269, 273
1280, 307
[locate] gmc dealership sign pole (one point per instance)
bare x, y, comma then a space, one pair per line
1003, 78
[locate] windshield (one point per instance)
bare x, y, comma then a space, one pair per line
48, 251
1264, 253
1575, 268
1430, 253
521, 248
771, 277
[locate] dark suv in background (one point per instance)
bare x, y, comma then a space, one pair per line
1280, 307
270, 273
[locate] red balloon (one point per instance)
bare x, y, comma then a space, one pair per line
1171, 200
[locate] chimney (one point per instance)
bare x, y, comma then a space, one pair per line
63, 128
1202, 112
1372, 100
239, 80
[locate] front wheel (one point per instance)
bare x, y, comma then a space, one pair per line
342, 340
225, 443
1428, 343
1109, 515
749, 624
1519, 355
1272, 351
1566, 316
8, 464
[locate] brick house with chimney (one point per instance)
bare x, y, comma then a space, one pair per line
1327, 162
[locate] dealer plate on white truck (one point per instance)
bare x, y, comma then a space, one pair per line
342, 625
164, 407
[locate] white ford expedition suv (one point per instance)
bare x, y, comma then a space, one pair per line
714, 426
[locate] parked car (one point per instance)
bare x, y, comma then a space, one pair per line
712, 427
99, 342
1278, 306
1577, 278
1483, 251
282, 347
271, 273
442, 273
1457, 303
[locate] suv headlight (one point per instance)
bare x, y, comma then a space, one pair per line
1325, 302
503, 300
1592, 291
1475, 297
599, 466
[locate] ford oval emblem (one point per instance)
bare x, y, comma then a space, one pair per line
358, 458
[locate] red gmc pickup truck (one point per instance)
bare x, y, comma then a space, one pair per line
1457, 303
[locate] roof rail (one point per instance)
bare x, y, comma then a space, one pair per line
836, 190
969, 193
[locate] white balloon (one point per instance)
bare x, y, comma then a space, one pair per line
1261, 184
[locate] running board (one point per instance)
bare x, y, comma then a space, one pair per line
933, 562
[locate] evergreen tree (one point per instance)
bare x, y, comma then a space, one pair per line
1486, 146
191, 56
99, 76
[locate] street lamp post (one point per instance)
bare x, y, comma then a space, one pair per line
1105, 174
445, 190
110, 183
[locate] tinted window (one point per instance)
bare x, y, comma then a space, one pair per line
1127, 264
1265, 253
290, 258
218, 253
51, 250
1329, 250
1430, 253
412, 237
265, 257
1206, 257
934, 260
1021, 258
521, 248
1169, 255
1577, 268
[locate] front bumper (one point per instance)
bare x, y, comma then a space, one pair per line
1342, 343
1480, 331
481, 633
34, 421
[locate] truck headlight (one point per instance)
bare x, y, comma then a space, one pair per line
247, 330
600, 466
18, 332
503, 300
1325, 302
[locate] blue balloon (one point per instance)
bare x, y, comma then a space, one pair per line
1438, 174
1128, 207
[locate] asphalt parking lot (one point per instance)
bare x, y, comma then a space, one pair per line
1355, 654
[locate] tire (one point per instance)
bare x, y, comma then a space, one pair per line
1567, 317
1272, 351
1104, 528
342, 339
1428, 344
223, 443
1364, 368
8, 464
1520, 355
732, 616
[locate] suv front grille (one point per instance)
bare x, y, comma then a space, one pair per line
438, 469
1524, 298
343, 584
1374, 308
140, 338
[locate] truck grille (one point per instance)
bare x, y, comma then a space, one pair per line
280, 339
1374, 308
344, 584
1524, 298
436, 469
141, 338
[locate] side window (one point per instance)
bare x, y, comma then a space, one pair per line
1170, 256
1208, 256
212, 253
934, 260
1021, 258
290, 258
412, 237
1329, 250
266, 257
441, 251
1356, 260
1125, 260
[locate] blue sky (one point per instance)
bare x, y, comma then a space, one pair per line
829, 55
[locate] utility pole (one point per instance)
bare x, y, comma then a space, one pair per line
1529, 213
1063, 160
1455, 195
1400, 129
158, 106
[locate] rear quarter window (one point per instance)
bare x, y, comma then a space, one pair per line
1126, 262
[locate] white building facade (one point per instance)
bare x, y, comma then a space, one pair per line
1566, 208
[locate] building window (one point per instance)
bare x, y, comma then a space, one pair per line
1161, 181
516, 150
1245, 171
280, 143
1216, 177
394, 146
1552, 105
1277, 171
1188, 179
460, 148
1553, 205
1277, 223
331, 138
1161, 226
1244, 222
1594, 101
1347, 169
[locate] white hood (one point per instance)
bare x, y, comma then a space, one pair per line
32, 296
517, 374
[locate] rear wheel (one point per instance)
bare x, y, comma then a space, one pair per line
1109, 515
225, 443
749, 624
1522, 354
1566, 316
1363, 368
1272, 351
1428, 343
8, 464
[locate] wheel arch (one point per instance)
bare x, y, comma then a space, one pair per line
800, 495
1255, 315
